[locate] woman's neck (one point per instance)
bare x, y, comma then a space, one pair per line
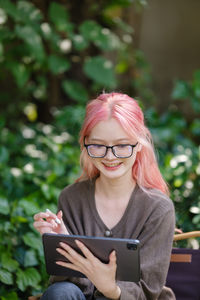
114, 188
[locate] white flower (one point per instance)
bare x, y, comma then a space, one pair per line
28, 168
15, 172
65, 45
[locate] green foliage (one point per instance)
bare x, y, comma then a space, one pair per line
101, 70
177, 140
189, 90
36, 163
43, 45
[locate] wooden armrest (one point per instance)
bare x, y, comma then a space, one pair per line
186, 235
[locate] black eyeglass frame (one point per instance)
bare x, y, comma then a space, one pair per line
109, 147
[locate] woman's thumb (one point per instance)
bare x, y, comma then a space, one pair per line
60, 214
113, 257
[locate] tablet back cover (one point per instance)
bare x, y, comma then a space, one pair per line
127, 252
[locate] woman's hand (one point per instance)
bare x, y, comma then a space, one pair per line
48, 222
100, 274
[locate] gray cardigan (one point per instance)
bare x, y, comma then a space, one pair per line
149, 219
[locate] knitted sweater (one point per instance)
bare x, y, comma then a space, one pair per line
150, 219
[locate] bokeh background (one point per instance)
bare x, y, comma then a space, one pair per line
54, 57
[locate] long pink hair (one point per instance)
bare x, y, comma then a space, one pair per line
127, 112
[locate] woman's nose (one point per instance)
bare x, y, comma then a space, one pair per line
109, 154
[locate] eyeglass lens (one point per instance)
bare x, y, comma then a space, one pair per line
118, 150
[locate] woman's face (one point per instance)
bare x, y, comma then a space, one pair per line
111, 133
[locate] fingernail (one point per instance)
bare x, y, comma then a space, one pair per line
58, 221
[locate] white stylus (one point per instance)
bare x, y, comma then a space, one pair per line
56, 220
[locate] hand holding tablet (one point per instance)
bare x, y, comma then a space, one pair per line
127, 254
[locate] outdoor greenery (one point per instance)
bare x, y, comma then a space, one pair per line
52, 60
177, 140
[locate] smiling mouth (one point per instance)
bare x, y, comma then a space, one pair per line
112, 165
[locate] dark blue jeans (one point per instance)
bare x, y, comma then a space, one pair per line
63, 291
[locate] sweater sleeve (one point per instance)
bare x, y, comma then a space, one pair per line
156, 243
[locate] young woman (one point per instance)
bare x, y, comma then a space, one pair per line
120, 194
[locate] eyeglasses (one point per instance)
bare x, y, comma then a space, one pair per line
120, 151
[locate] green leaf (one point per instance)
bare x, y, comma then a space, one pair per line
100, 70
75, 90
4, 206
8, 263
90, 30
181, 90
19, 219
29, 277
101, 37
32, 39
6, 35
195, 127
29, 206
195, 104
79, 42
196, 85
6, 277
197, 76
33, 241
59, 16
57, 64
46, 190
28, 11
30, 259
10, 9
20, 72
121, 2
4, 154
10, 296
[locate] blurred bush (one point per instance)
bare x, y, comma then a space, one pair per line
177, 140
53, 54
36, 162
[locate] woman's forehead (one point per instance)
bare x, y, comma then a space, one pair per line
108, 130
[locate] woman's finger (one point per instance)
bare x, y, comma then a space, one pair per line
41, 215
47, 215
72, 255
60, 215
87, 253
112, 258
68, 265
39, 224
69, 257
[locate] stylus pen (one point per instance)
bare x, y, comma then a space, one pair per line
56, 220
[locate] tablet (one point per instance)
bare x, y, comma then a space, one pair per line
127, 252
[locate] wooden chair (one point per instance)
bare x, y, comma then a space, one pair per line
184, 271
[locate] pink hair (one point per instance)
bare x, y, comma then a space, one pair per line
127, 112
